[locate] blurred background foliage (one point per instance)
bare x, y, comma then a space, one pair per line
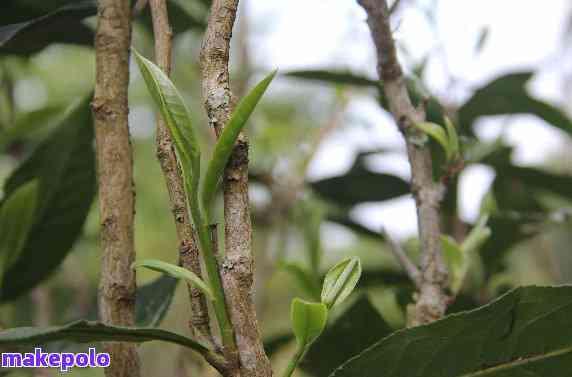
302, 224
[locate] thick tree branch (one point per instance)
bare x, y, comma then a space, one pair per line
432, 300
237, 269
115, 171
188, 245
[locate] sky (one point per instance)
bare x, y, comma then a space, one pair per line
522, 35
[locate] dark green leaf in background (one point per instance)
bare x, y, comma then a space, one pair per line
154, 300
64, 165
508, 95
334, 77
527, 332
60, 26
360, 185
16, 220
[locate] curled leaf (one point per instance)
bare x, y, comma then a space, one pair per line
340, 281
176, 272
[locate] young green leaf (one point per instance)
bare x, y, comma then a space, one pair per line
453, 137
308, 321
16, 220
176, 272
177, 117
438, 133
340, 281
225, 143
456, 262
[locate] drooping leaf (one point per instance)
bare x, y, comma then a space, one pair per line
526, 332
178, 120
357, 328
16, 220
360, 185
176, 272
507, 95
334, 77
340, 281
62, 25
227, 139
89, 332
308, 321
64, 165
153, 301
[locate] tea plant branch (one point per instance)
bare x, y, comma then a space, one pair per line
408, 266
237, 268
432, 300
115, 172
189, 257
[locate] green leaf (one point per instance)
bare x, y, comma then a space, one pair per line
340, 281
176, 272
16, 219
508, 95
357, 328
334, 77
227, 139
89, 331
153, 301
366, 186
438, 133
308, 321
64, 165
456, 261
63, 25
453, 137
526, 332
178, 120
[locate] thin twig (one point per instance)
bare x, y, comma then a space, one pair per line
115, 173
402, 258
237, 269
432, 299
188, 246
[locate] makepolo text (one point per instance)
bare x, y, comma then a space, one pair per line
64, 361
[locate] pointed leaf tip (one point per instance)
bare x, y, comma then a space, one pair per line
227, 139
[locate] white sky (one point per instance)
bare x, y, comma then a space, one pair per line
523, 34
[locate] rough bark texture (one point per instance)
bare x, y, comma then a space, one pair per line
188, 245
237, 268
115, 171
432, 300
